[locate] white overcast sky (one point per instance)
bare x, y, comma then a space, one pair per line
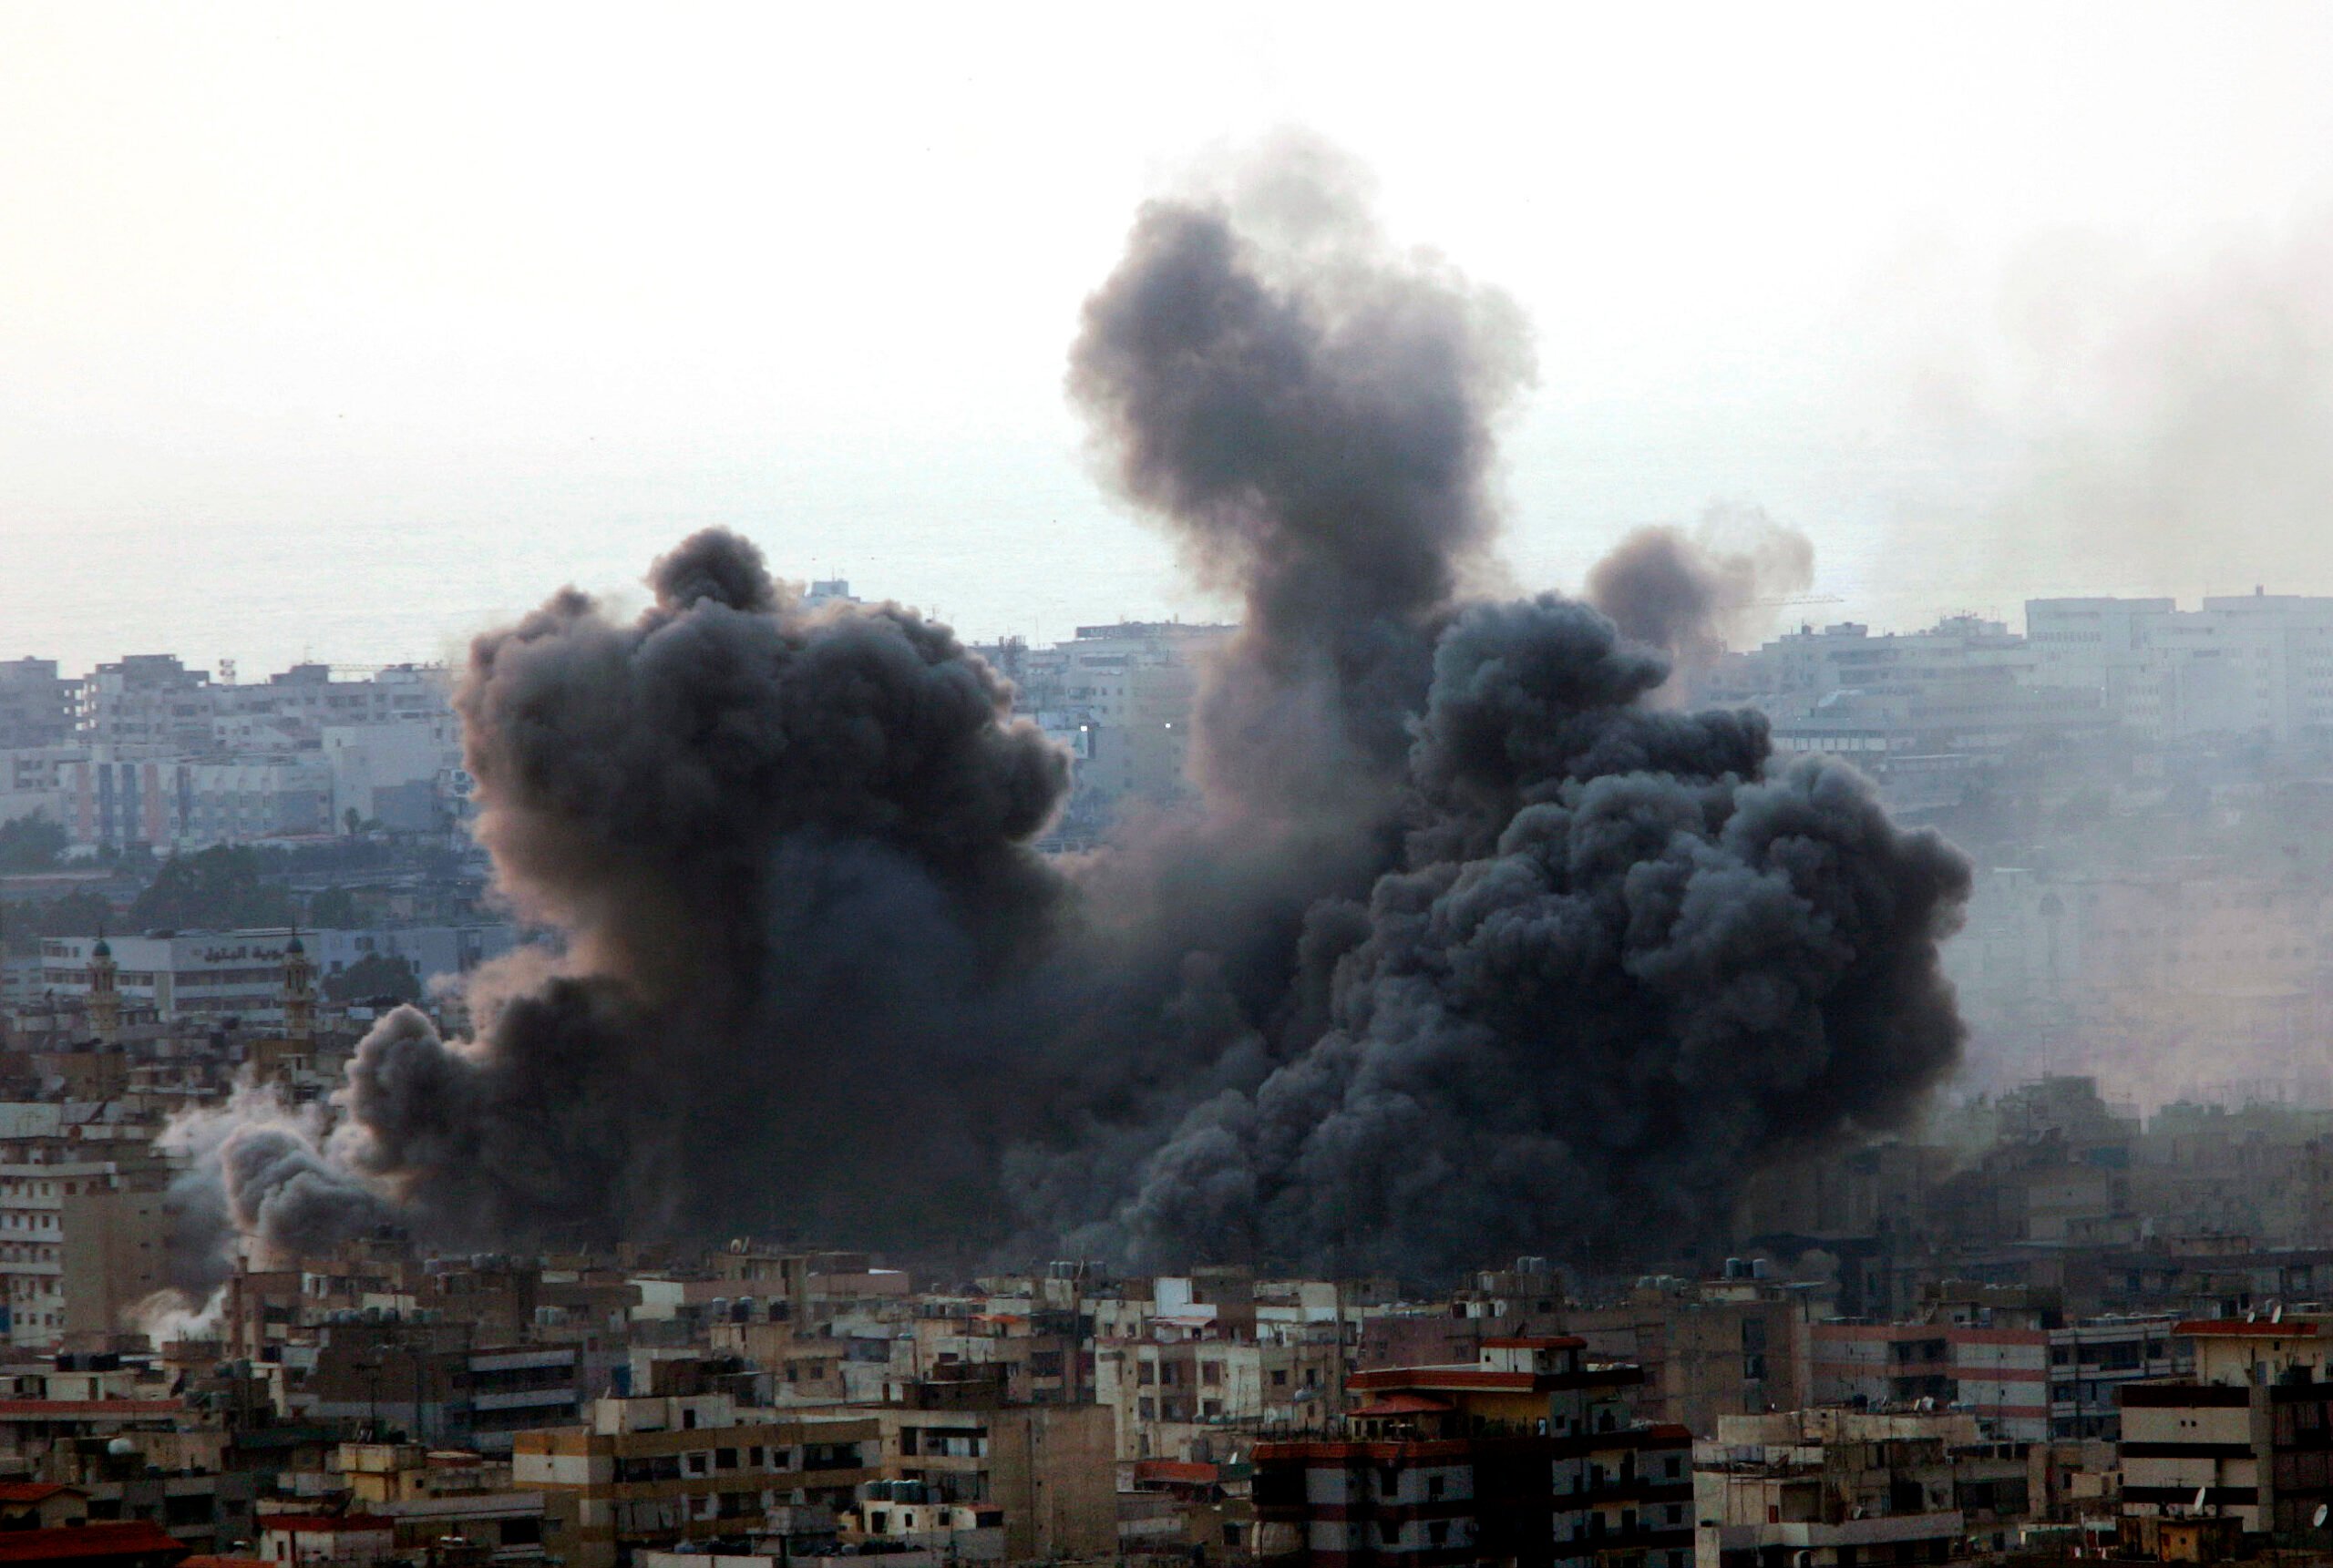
343, 330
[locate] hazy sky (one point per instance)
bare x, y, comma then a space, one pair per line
343, 330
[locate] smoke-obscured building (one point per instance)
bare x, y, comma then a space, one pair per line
37, 705
1120, 696
216, 974
2250, 664
1928, 713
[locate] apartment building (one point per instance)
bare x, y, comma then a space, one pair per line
2248, 1436
37, 705
1166, 1397
654, 1470
84, 1231
1051, 1467
2249, 664
1828, 1487
2028, 1383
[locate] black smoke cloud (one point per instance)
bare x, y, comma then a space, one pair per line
1467, 948
789, 853
1622, 965
1585, 962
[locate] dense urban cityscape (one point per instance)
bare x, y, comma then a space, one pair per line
1672, 905
2082, 1293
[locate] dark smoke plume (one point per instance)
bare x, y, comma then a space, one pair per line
1690, 592
1622, 967
1605, 965
789, 853
1468, 947
1311, 412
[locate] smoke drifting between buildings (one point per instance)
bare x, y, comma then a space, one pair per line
1466, 946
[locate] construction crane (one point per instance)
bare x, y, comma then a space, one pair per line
1798, 599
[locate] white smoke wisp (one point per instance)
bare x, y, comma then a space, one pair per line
260, 1179
165, 1317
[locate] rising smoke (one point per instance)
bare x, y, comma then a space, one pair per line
1693, 592
789, 854
1467, 948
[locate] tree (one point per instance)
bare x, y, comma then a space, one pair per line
372, 978
335, 909
74, 915
220, 888
30, 843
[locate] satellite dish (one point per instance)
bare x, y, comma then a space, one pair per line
2200, 1493
2318, 1520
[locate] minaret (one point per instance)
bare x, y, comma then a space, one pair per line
104, 990
299, 991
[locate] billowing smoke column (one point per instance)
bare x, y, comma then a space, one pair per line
789, 852
1467, 948
1313, 418
1621, 967
1608, 962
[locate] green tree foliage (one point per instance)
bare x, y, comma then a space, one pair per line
30, 843
374, 975
220, 888
335, 909
74, 915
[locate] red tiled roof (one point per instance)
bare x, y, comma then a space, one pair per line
324, 1523
130, 1538
2238, 1328
33, 1491
1173, 1470
1546, 1342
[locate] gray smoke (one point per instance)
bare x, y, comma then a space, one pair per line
1690, 593
1622, 967
2105, 417
789, 852
1469, 948
258, 1167
1604, 965
1310, 411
